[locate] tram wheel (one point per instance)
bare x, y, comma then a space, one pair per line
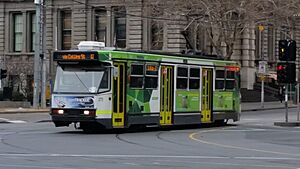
91, 127
222, 122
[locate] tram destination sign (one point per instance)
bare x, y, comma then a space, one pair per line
75, 56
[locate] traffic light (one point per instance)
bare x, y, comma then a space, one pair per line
286, 72
3, 73
287, 50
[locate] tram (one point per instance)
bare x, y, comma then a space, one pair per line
109, 88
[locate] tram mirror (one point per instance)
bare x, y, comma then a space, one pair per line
115, 71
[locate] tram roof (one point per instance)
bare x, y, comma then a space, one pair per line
107, 55
161, 57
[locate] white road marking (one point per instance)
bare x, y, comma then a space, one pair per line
32, 166
17, 121
148, 156
134, 164
192, 136
113, 156
214, 163
5, 133
12, 121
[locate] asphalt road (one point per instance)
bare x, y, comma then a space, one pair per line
30, 141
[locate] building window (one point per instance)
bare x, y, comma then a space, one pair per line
66, 29
17, 32
157, 30
32, 31
100, 25
120, 27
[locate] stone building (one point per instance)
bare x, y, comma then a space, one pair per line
122, 24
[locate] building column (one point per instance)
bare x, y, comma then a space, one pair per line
134, 26
79, 23
2, 29
173, 37
247, 58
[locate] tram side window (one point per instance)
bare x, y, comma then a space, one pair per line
194, 81
137, 76
220, 78
182, 78
151, 77
230, 80
144, 79
225, 80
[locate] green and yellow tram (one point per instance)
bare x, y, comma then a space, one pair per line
118, 89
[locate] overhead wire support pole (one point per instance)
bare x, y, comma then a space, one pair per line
36, 87
286, 104
298, 81
298, 101
43, 58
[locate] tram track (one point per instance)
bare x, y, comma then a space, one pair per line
118, 136
158, 136
3, 140
199, 139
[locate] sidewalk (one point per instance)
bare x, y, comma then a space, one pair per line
246, 106
256, 106
23, 110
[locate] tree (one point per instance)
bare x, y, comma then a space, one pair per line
225, 20
19, 76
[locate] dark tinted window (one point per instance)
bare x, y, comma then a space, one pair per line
194, 72
137, 69
151, 82
230, 74
219, 84
181, 83
182, 72
136, 82
194, 83
229, 84
220, 74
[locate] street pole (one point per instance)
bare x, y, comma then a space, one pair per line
262, 91
298, 101
262, 70
43, 59
36, 87
286, 103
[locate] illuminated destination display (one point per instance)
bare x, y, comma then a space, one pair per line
151, 68
75, 56
232, 68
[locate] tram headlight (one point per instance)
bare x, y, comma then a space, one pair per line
60, 111
86, 112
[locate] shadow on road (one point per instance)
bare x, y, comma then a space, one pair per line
142, 129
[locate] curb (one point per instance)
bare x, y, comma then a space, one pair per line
16, 111
270, 108
287, 124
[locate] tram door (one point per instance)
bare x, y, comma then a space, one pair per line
206, 95
118, 95
166, 83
